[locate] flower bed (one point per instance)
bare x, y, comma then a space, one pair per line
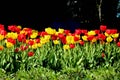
26, 49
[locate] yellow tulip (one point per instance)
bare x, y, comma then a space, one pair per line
34, 46
94, 40
1, 37
70, 39
90, 33
84, 38
115, 35
20, 27
60, 30
47, 37
50, 30
42, 40
23, 32
56, 42
34, 35
66, 47
12, 35
106, 34
39, 44
9, 44
109, 39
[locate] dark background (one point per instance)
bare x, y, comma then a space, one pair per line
31, 14
41, 14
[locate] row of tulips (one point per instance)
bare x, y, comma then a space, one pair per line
36, 38
57, 48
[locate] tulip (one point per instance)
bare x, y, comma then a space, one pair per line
12, 28
82, 43
13, 41
90, 38
76, 38
109, 31
66, 32
53, 37
1, 47
39, 44
16, 50
101, 37
94, 40
21, 37
3, 32
30, 53
42, 33
34, 46
56, 42
103, 55
84, 31
97, 31
60, 30
34, 35
85, 38
1, 37
22, 48
78, 31
12, 35
103, 27
30, 42
91, 33
50, 31
2, 27
65, 47
72, 46
109, 39
9, 44
116, 35
63, 40
118, 44
70, 39
37, 40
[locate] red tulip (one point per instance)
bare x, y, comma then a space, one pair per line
16, 50
21, 37
30, 54
72, 45
97, 31
84, 31
37, 40
30, 42
78, 31
66, 32
115, 39
22, 48
113, 31
103, 55
63, 40
76, 38
61, 36
53, 37
103, 27
109, 31
90, 38
12, 28
82, 43
43, 33
3, 32
118, 44
101, 36
13, 41
1, 27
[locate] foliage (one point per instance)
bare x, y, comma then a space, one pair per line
27, 54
